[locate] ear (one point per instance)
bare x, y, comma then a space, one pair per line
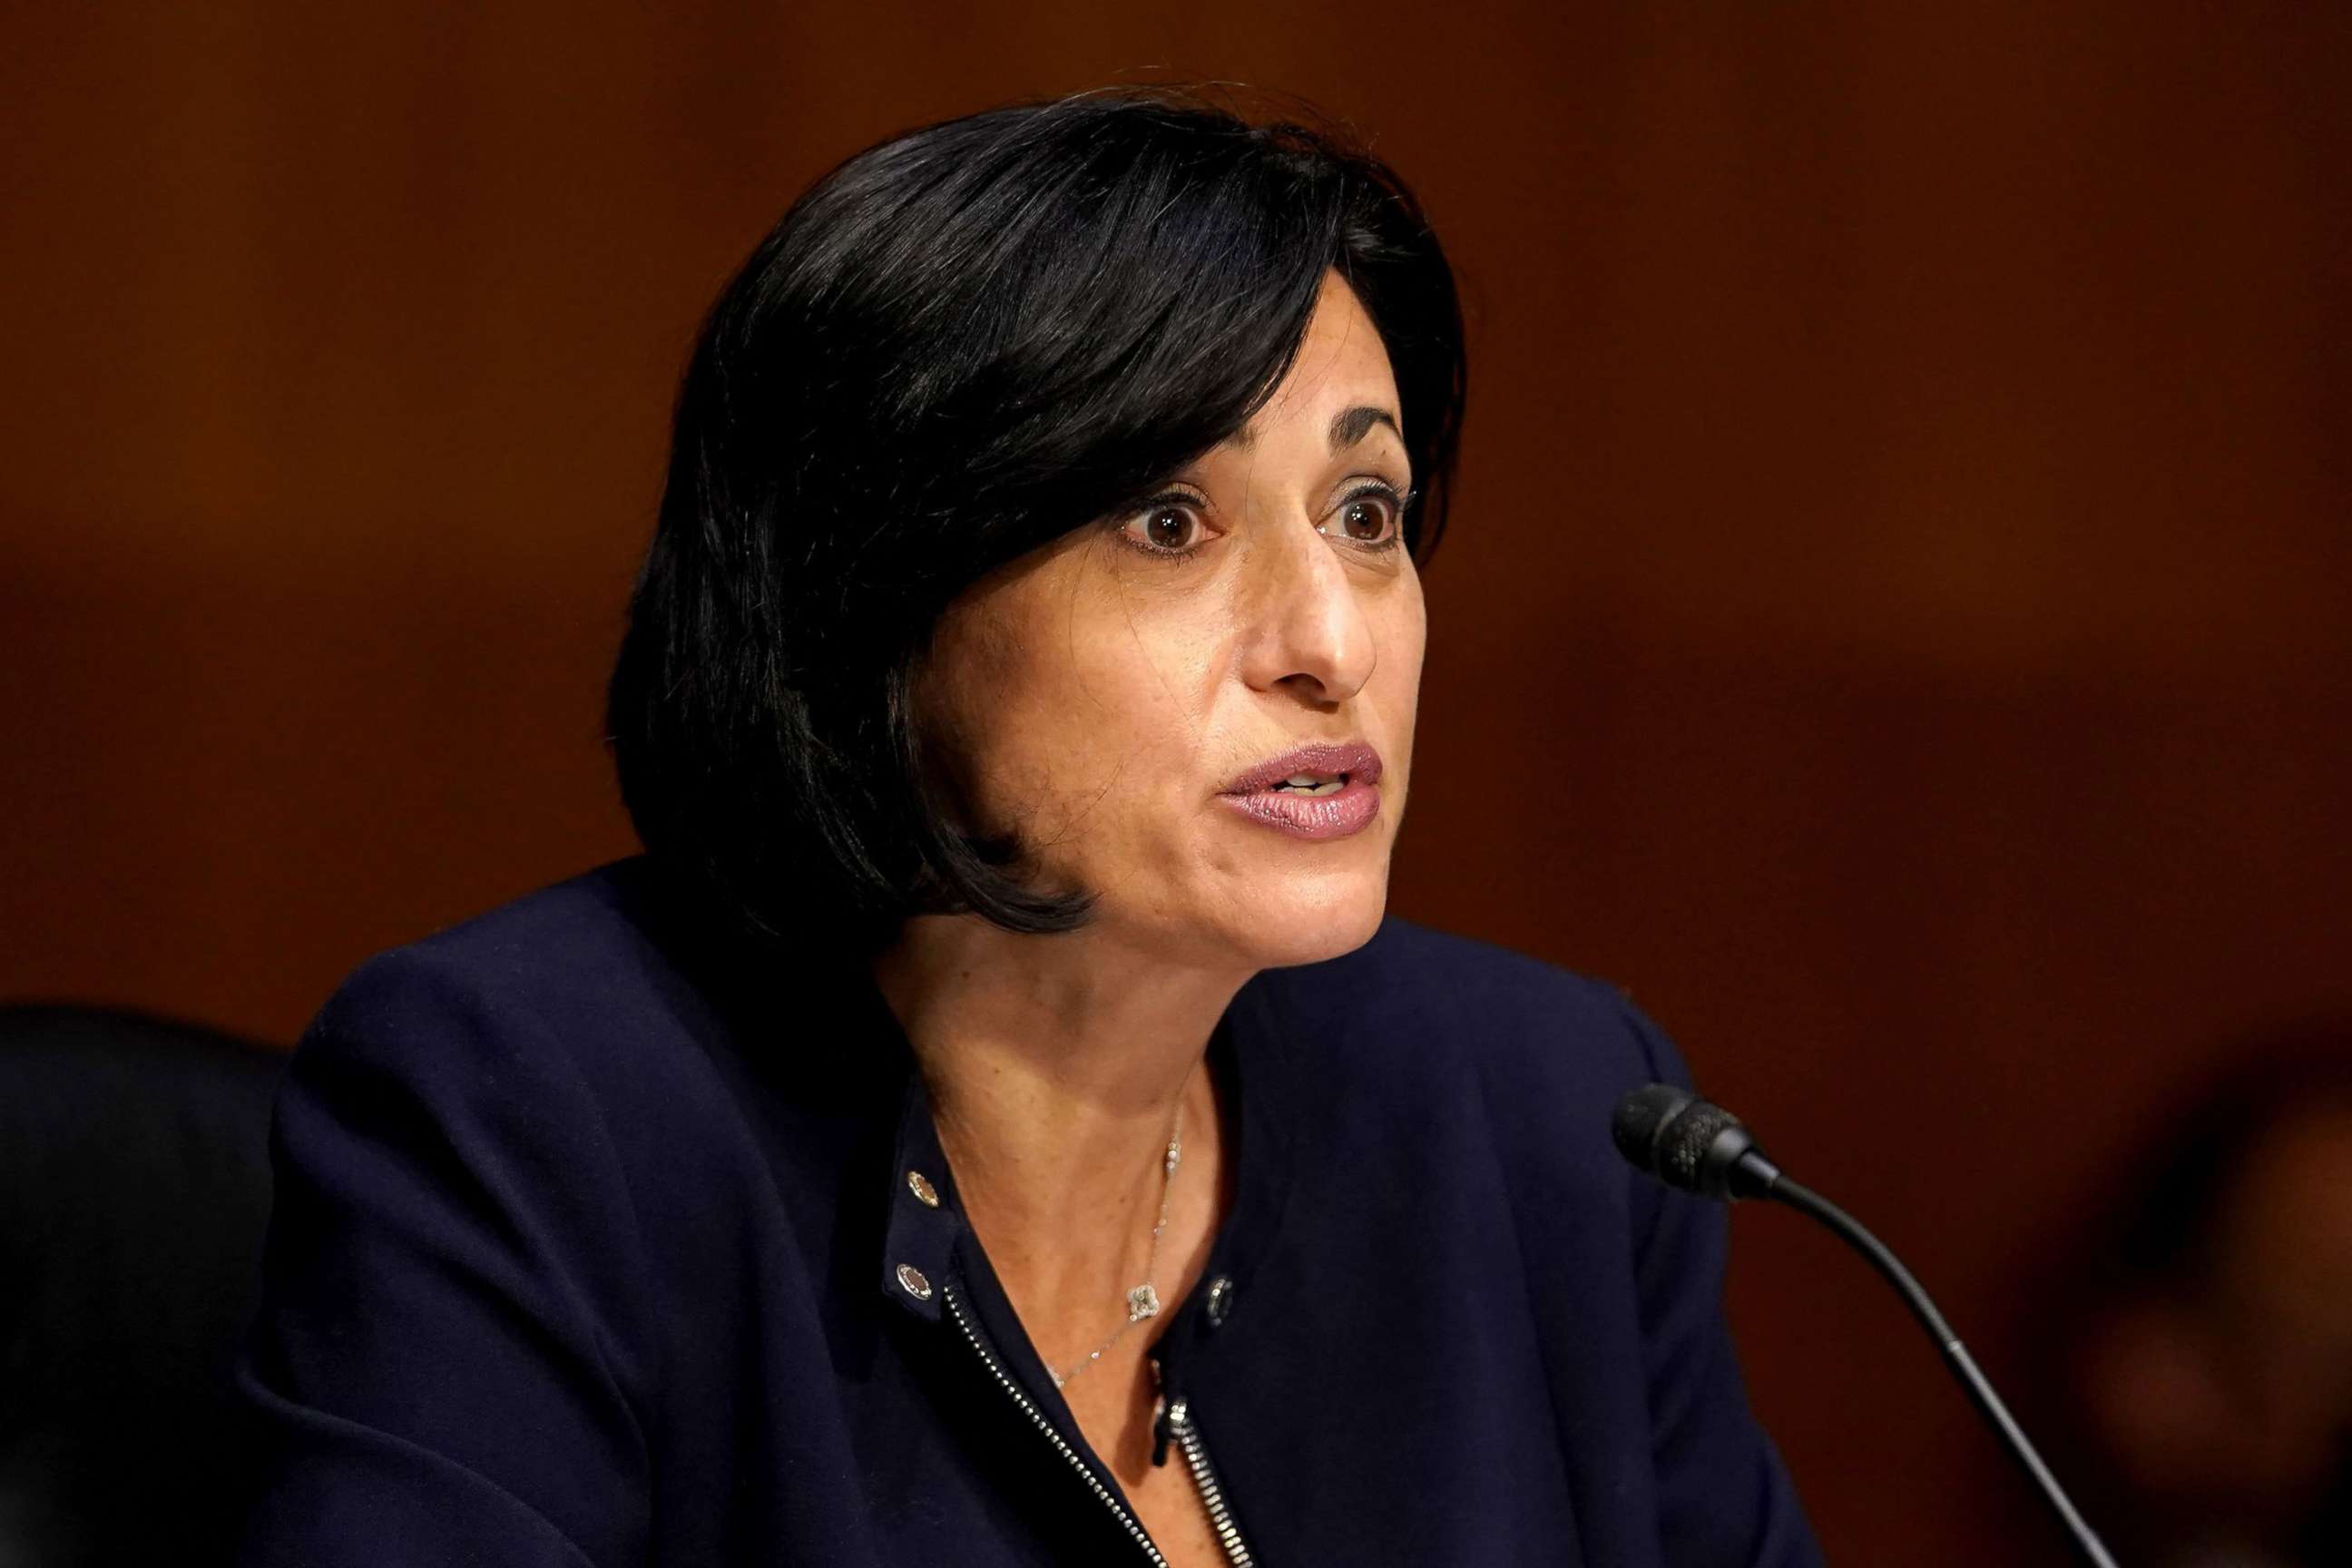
936, 749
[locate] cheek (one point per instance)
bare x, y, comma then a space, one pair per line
1409, 640
1138, 698
999, 712
1089, 731
1404, 638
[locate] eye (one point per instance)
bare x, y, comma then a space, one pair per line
1373, 516
1168, 526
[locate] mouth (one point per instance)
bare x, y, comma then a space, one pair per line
1323, 768
1314, 792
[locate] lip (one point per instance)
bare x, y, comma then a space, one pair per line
1357, 758
1352, 809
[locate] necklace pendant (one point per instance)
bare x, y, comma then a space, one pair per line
1143, 1302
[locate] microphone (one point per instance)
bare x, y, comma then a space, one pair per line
1696, 1146
1691, 1143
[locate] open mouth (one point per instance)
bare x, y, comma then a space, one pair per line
1314, 771
1315, 803
1311, 784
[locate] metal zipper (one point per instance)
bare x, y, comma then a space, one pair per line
1204, 1476
1037, 1419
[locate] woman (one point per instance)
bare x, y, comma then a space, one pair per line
994, 1122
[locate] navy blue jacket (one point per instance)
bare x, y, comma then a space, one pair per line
593, 1244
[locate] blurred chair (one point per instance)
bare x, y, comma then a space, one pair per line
134, 1188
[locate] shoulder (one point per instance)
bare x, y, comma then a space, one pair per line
581, 959
545, 1070
547, 1017
584, 933
1486, 1054
1415, 1000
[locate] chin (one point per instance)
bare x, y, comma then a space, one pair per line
1309, 925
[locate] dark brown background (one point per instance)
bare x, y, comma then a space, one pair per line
1898, 620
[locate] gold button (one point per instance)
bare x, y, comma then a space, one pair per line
911, 1280
920, 1185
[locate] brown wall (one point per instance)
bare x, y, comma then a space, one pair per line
1898, 622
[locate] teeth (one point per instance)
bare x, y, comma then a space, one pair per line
1300, 783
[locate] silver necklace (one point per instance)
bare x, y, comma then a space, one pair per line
1143, 1301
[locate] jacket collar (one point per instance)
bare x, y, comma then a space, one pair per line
1250, 1056
861, 1056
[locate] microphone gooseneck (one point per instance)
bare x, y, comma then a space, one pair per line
1696, 1146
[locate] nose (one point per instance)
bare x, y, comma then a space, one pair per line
1304, 626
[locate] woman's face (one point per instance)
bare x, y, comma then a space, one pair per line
1103, 695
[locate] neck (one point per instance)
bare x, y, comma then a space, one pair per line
1056, 1065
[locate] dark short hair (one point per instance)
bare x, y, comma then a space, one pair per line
955, 347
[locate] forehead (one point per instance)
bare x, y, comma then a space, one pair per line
1339, 384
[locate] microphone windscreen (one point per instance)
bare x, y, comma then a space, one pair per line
1671, 1133
1683, 1143
1640, 1116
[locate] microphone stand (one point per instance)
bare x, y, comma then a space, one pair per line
1849, 1230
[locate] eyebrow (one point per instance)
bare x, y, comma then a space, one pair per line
1357, 422
1347, 428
